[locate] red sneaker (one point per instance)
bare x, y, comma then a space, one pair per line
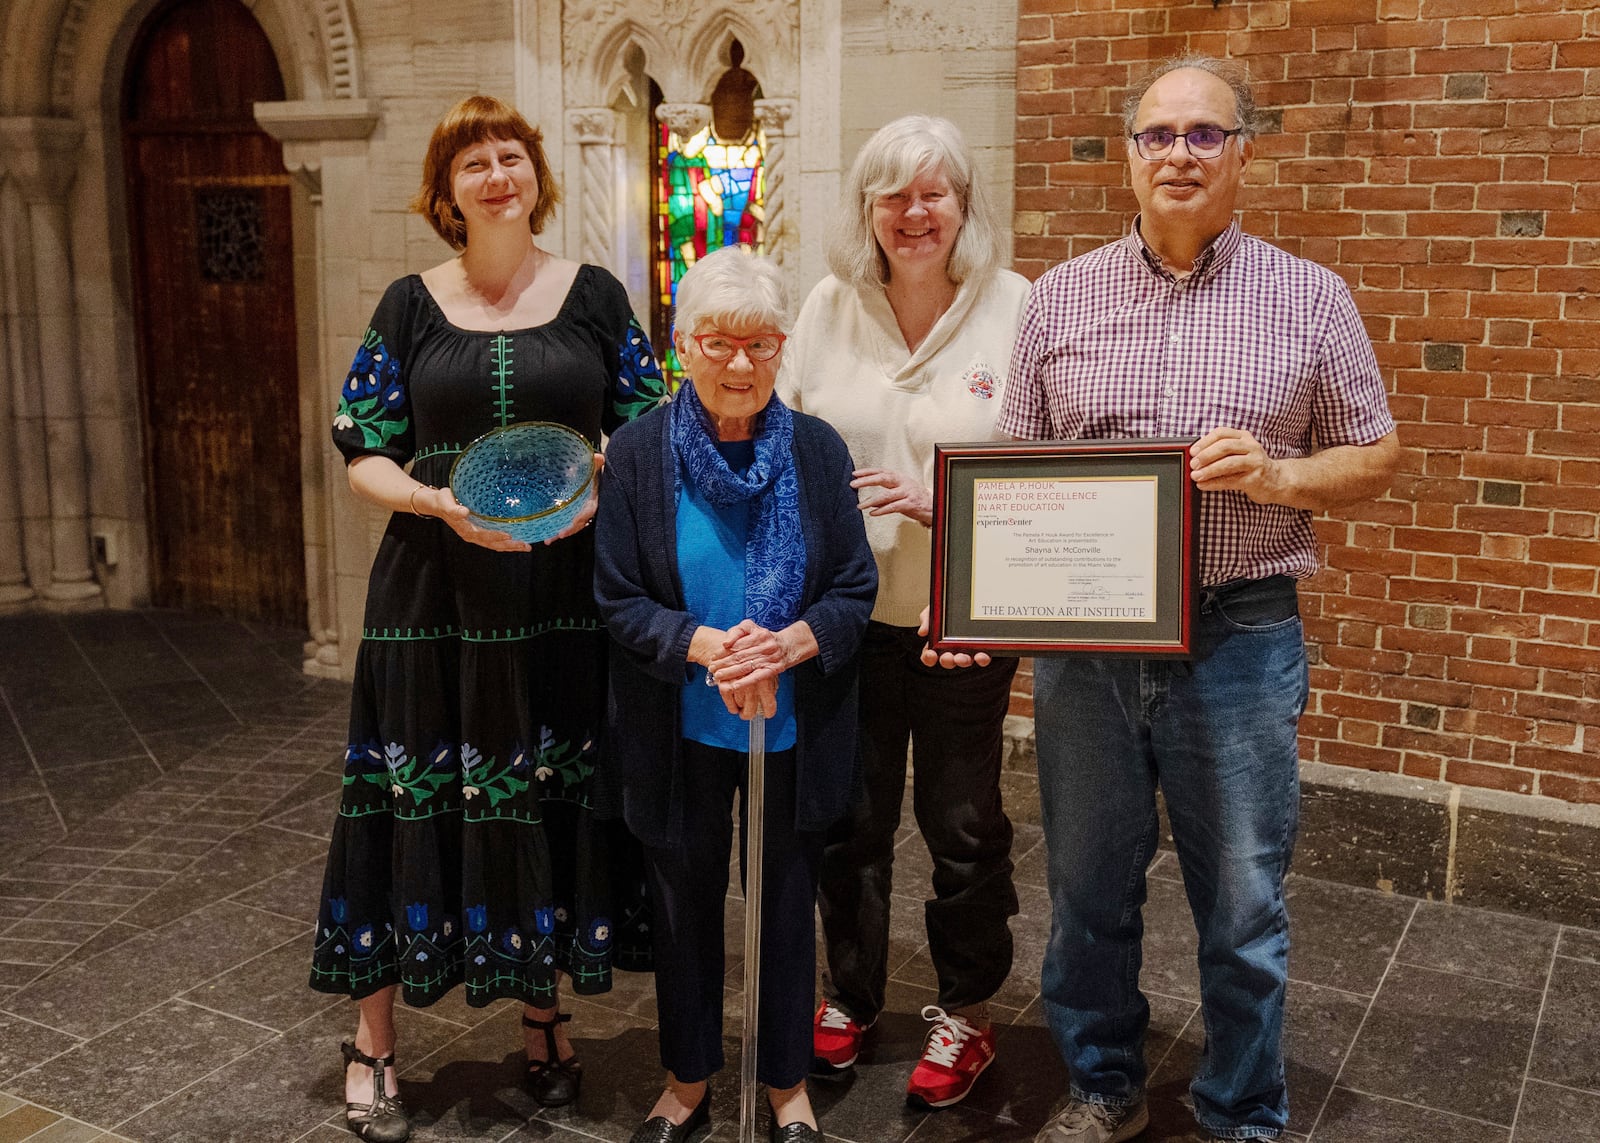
835, 1040
953, 1058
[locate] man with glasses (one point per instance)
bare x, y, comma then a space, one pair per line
1189, 328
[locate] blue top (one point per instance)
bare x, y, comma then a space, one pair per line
711, 555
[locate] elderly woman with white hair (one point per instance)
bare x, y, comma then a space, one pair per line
733, 573
907, 343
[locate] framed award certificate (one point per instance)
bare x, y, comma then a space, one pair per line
1065, 547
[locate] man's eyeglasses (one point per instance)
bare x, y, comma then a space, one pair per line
1202, 142
721, 347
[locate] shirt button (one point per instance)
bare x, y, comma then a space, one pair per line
1169, 390
1174, 339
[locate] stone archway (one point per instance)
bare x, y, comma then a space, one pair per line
73, 527
683, 50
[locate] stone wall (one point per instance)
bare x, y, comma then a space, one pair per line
365, 82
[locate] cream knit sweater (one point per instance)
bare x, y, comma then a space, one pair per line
847, 363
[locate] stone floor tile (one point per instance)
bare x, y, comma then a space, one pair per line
1169, 942
18, 975
61, 932
106, 938
1450, 1042
120, 877
241, 861
125, 649
77, 912
150, 862
908, 936
1580, 944
84, 792
71, 1131
1472, 942
271, 1087
24, 1122
32, 823
40, 953
1567, 1049
151, 967
173, 748
137, 1063
24, 1044
172, 705
472, 1088
1340, 936
1319, 1026
314, 818
71, 735
1031, 866
295, 792
1549, 1113
21, 784
296, 892
270, 990
1357, 1117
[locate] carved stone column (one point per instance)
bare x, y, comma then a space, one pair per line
13, 565
774, 116
685, 119
42, 155
325, 148
594, 128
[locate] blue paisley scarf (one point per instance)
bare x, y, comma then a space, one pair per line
775, 554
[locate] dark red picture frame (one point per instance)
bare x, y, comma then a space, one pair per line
958, 466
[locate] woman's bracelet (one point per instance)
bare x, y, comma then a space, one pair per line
414, 492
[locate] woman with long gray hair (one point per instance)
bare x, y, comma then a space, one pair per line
908, 343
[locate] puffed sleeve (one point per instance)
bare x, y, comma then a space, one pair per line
637, 382
374, 414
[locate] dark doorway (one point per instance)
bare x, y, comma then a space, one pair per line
209, 213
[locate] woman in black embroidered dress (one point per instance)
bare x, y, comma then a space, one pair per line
466, 850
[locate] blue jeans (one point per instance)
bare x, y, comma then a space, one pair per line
1218, 735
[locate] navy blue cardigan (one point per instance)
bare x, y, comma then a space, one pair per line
641, 599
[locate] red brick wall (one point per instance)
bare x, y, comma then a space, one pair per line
1443, 156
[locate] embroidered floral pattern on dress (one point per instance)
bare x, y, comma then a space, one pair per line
372, 398
641, 386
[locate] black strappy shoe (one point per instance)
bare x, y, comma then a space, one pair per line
385, 1119
553, 1082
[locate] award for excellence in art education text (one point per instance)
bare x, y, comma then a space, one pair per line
1066, 548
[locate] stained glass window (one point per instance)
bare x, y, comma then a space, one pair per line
709, 192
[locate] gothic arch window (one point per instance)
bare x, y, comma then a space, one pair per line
709, 189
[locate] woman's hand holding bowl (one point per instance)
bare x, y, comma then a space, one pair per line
585, 515
441, 502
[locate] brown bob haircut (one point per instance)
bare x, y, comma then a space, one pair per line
478, 119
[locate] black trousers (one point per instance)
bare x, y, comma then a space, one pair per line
689, 887
954, 721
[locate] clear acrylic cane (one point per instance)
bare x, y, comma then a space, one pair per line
754, 820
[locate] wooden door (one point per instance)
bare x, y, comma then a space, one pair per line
208, 199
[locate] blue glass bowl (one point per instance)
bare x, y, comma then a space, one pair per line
529, 479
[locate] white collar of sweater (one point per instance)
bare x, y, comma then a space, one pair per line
902, 366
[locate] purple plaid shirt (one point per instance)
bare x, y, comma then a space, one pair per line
1112, 345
